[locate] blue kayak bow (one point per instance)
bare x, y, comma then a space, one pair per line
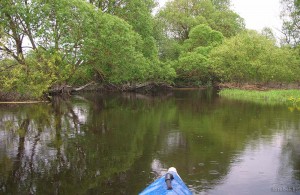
170, 183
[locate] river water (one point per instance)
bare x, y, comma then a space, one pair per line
118, 143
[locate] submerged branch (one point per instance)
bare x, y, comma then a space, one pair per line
83, 87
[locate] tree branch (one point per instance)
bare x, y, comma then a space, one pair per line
84, 86
11, 53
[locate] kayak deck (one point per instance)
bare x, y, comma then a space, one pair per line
159, 186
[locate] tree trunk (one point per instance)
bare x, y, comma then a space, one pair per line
66, 89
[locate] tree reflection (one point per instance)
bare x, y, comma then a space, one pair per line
117, 143
290, 155
59, 153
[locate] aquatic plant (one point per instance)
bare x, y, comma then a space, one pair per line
287, 97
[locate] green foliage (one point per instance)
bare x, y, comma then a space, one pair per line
251, 57
112, 48
221, 4
53, 31
42, 71
117, 53
180, 16
290, 16
168, 48
79, 44
185, 26
162, 72
48, 43
193, 67
202, 36
227, 22
193, 64
138, 14
268, 33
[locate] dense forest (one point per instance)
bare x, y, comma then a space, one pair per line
49, 44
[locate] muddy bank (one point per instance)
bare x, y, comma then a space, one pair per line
66, 90
143, 88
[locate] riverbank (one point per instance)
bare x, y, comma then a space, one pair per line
244, 91
66, 90
262, 93
279, 96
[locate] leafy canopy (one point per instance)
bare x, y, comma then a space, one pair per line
252, 57
193, 62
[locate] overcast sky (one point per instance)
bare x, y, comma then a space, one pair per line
257, 13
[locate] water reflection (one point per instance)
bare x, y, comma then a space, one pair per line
119, 143
263, 164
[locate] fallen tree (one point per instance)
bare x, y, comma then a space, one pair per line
67, 89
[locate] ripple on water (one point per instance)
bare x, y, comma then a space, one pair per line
214, 163
214, 172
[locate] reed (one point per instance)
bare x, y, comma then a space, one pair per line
289, 97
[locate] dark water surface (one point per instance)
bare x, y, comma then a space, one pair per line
119, 143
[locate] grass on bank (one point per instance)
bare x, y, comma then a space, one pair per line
288, 97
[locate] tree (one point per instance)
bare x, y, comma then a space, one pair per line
291, 22
57, 42
193, 64
221, 4
251, 57
227, 22
44, 38
202, 36
268, 33
138, 14
13, 25
174, 22
179, 16
102, 50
